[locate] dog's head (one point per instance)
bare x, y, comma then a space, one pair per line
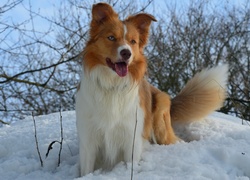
117, 44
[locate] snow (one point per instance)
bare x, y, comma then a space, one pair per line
218, 148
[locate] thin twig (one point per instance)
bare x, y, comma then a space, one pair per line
61, 142
37, 147
50, 147
3, 122
133, 146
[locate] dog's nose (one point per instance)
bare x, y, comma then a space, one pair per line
125, 54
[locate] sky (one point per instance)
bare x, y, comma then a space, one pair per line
47, 7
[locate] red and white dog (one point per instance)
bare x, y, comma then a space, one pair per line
114, 94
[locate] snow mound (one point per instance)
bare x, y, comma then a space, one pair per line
220, 149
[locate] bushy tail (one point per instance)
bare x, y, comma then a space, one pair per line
203, 94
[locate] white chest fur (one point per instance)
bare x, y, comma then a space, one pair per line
107, 109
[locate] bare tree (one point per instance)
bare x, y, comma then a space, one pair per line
35, 73
40, 68
200, 38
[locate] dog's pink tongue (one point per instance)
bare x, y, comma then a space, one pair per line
121, 69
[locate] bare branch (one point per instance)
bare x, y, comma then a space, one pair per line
37, 146
133, 146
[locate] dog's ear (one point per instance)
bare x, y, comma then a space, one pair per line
102, 12
142, 22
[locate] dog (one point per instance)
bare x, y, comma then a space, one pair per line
117, 109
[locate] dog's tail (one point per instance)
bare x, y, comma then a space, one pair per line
204, 93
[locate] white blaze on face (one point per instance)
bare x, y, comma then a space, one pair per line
125, 31
125, 45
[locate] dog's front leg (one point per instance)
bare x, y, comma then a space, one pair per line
87, 158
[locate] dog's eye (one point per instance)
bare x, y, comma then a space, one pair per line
133, 41
111, 38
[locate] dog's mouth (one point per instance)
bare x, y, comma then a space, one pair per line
121, 67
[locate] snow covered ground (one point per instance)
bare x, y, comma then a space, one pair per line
220, 150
